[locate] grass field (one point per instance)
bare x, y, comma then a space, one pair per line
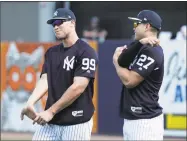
28, 136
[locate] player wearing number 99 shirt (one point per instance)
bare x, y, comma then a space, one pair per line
140, 67
68, 76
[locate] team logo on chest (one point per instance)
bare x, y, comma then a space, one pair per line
69, 63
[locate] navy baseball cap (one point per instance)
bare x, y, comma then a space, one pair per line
148, 16
62, 14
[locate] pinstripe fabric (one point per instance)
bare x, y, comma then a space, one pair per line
55, 132
144, 129
78, 131
47, 132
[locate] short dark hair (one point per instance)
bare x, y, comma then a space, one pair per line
154, 30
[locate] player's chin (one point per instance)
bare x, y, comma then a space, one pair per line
136, 37
60, 37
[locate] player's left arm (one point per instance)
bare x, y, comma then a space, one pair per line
71, 94
129, 78
144, 64
84, 72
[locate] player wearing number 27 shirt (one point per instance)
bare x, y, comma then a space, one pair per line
140, 67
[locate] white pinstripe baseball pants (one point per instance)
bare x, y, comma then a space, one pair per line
56, 132
144, 129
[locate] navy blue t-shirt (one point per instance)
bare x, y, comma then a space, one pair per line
141, 102
62, 65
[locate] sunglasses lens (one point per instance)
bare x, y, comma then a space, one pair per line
57, 22
135, 25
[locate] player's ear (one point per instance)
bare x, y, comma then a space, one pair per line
73, 22
148, 26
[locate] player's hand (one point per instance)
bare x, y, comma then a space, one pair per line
29, 111
43, 117
117, 53
150, 40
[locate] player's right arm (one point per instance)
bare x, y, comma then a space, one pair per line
128, 54
42, 85
39, 91
147, 61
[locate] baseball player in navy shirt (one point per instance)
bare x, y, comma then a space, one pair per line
68, 76
140, 66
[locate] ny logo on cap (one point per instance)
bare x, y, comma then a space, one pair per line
55, 14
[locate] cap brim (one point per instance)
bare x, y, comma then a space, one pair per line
50, 21
134, 19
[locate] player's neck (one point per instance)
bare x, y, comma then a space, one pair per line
71, 40
150, 34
